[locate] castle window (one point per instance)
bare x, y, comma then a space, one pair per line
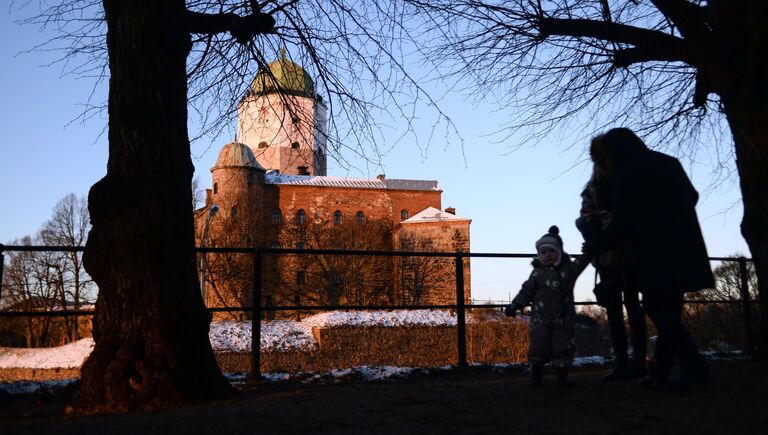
300, 277
233, 212
301, 217
303, 170
337, 279
300, 245
359, 280
295, 145
360, 218
338, 218
215, 188
404, 214
263, 144
277, 216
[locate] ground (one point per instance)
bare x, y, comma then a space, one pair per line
479, 400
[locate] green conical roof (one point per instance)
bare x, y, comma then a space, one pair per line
286, 77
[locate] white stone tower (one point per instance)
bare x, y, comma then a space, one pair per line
282, 120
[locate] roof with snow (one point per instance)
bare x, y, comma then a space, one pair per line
351, 183
431, 214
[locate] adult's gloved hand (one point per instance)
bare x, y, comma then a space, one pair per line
511, 310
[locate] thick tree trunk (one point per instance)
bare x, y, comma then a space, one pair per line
151, 330
738, 74
747, 121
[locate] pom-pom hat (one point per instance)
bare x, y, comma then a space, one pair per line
551, 239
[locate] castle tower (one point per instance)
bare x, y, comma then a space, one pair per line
238, 192
282, 120
238, 183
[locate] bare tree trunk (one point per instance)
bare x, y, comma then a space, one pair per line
151, 329
747, 120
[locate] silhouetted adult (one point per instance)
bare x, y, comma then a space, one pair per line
653, 205
617, 281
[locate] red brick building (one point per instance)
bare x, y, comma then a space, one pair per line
271, 190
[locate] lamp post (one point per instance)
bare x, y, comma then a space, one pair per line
211, 213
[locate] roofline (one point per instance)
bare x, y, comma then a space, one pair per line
433, 221
357, 188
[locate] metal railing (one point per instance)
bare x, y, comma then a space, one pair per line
460, 306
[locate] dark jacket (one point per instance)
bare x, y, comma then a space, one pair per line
550, 290
653, 205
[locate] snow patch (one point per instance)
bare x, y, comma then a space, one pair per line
382, 318
69, 356
589, 360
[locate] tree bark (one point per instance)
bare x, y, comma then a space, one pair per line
747, 119
150, 328
739, 79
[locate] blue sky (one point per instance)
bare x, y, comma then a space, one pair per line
511, 197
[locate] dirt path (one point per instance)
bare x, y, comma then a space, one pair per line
477, 401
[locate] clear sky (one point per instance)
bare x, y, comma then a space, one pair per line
511, 197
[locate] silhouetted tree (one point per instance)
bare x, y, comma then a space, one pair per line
50, 280
722, 320
151, 330
676, 69
418, 274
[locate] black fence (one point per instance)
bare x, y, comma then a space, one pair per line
256, 310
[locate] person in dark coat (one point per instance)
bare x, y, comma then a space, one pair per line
653, 205
617, 289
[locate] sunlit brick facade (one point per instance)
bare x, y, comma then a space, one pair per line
271, 190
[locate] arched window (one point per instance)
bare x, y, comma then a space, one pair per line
360, 218
263, 144
301, 217
277, 216
215, 187
233, 212
295, 145
404, 214
338, 218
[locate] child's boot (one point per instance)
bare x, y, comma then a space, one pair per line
536, 374
562, 378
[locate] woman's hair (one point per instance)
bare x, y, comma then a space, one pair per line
610, 148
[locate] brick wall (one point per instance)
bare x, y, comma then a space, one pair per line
328, 280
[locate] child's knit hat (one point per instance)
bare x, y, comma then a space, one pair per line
551, 239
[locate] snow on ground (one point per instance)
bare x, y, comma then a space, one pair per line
289, 334
231, 336
69, 356
382, 318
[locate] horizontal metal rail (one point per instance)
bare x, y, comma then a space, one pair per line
245, 308
460, 307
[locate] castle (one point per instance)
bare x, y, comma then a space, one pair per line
270, 189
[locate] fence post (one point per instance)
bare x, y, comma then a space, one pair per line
746, 304
460, 318
255, 373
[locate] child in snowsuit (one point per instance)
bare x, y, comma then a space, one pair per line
553, 315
